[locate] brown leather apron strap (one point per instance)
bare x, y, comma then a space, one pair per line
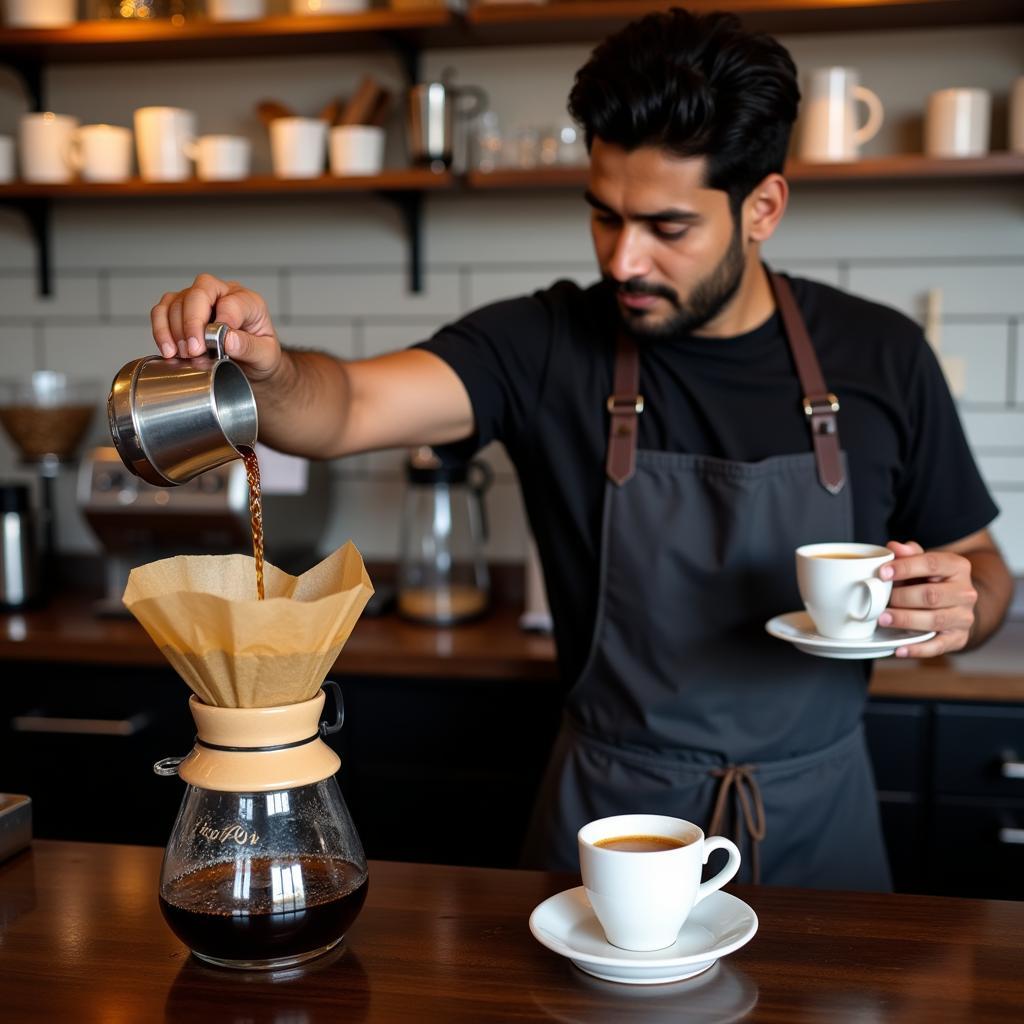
739, 780
820, 405
624, 405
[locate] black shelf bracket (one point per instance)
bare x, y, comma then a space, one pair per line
37, 214
31, 75
410, 206
408, 53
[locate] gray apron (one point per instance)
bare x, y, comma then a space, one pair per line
685, 705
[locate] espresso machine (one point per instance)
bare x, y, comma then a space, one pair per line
138, 522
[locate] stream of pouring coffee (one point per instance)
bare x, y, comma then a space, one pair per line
252, 473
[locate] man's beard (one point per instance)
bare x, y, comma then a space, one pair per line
709, 297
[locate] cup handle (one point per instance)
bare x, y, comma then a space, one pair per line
73, 154
878, 597
876, 115
727, 873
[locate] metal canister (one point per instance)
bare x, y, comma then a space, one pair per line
172, 419
19, 560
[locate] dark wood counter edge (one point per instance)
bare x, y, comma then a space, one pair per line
67, 632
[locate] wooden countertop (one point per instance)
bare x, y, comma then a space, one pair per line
494, 648
83, 940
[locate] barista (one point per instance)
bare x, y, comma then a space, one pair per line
666, 523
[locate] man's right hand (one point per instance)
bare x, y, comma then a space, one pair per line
179, 320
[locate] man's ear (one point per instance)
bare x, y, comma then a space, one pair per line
764, 207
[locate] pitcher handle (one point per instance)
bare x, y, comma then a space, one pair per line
214, 337
876, 115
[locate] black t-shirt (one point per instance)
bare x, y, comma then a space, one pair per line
538, 370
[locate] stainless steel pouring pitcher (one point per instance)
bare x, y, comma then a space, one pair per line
172, 419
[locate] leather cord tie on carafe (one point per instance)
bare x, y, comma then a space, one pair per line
739, 780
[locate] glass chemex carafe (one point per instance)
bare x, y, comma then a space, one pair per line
264, 868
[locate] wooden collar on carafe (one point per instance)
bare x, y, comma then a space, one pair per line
820, 406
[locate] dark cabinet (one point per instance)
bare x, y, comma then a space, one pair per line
446, 770
82, 742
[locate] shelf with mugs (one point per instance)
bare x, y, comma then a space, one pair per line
885, 170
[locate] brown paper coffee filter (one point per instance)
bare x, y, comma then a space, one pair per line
235, 651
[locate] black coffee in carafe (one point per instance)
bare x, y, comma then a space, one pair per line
292, 907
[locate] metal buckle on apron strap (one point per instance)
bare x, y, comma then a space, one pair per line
625, 404
821, 410
739, 779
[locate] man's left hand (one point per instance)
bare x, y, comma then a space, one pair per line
932, 590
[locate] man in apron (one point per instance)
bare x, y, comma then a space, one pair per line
678, 429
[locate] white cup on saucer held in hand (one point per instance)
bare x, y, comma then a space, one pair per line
841, 589
641, 873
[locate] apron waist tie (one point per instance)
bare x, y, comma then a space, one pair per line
739, 780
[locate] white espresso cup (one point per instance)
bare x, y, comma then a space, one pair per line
1016, 132
6, 159
957, 123
102, 152
220, 157
841, 589
356, 149
161, 136
44, 147
829, 129
642, 899
298, 146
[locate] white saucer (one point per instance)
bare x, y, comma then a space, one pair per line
717, 926
798, 629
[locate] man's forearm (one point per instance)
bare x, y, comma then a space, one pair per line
302, 407
994, 584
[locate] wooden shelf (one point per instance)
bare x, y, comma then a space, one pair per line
110, 40
508, 24
411, 180
497, 25
880, 170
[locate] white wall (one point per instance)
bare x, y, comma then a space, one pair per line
333, 270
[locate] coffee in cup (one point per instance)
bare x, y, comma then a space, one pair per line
642, 873
841, 589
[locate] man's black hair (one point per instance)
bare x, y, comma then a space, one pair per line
694, 85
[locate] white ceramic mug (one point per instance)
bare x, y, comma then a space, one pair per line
1016, 132
356, 149
841, 589
161, 135
298, 146
220, 157
102, 152
957, 123
643, 899
236, 10
40, 13
44, 147
6, 159
829, 132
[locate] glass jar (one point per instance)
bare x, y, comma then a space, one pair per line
442, 572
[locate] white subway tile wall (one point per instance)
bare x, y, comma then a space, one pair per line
334, 273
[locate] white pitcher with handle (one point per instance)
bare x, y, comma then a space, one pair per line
829, 131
